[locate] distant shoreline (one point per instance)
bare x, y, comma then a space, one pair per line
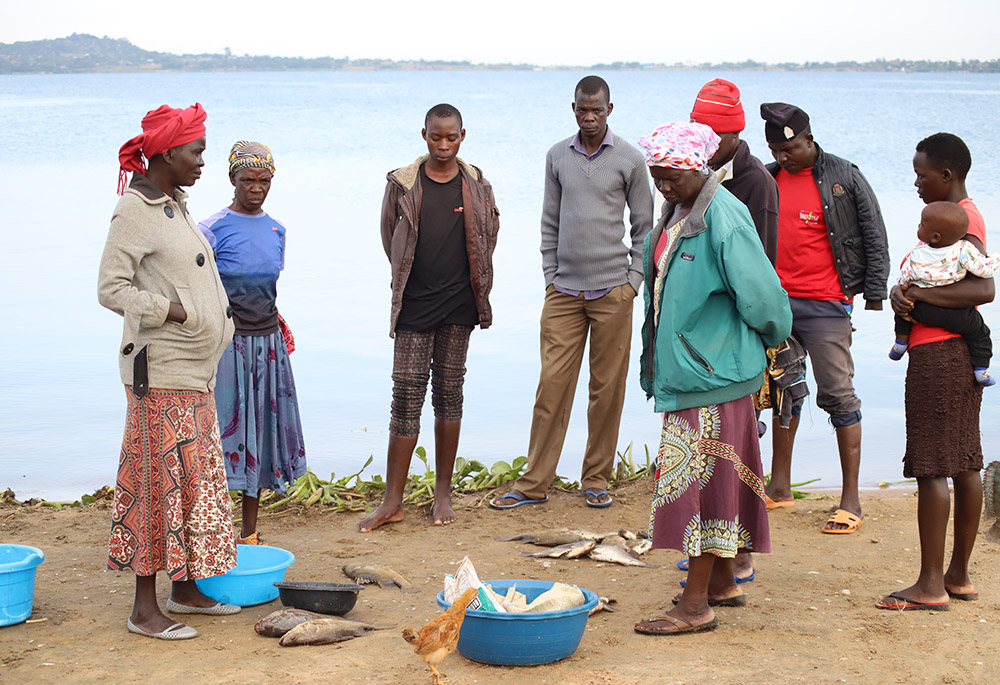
87, 54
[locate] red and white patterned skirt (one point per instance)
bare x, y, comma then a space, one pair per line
171, 508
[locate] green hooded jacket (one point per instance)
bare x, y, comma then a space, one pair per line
721, 305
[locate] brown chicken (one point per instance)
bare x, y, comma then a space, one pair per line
439, 637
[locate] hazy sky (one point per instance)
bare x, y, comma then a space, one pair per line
533, 31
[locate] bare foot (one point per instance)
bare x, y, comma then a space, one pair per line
386, 513
443, 513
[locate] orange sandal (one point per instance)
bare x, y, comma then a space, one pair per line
251, 539
845, 518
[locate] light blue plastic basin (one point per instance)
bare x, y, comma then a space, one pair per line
17, 581
258, 568
522, 639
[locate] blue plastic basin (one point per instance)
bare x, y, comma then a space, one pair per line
258, 568
17, 581
522, 639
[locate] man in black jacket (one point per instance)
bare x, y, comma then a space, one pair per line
831, 246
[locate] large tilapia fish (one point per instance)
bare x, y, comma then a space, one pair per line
325, 631
383, 576
617, 555
277, 623
569, 551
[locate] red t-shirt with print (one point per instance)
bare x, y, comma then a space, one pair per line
922, 334
805, 258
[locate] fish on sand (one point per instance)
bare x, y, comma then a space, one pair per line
325, 631
383, 576
569, 551
617, 555
277, 623
556, 536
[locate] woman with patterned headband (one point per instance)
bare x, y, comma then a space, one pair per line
255, 395
712, 304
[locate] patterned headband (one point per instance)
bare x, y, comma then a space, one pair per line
246, 153
680, 145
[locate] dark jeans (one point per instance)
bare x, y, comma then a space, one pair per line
968, 323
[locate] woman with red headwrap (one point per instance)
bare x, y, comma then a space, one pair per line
171, 508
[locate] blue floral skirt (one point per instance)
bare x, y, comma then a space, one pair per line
259, 418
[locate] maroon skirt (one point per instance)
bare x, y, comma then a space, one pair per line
708, 497
942, 403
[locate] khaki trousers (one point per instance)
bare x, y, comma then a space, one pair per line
565, 324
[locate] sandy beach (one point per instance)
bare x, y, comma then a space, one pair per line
810, 617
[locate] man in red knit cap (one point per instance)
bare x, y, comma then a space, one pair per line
718, 106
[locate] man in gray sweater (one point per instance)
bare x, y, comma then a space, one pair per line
591, 278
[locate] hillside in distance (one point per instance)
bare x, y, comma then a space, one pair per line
84, 53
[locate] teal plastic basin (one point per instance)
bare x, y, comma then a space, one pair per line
258, 568
17, 582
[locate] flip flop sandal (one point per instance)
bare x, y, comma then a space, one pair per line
843, 517
679, 626
519, 500
736, 579
737, 601
904, 604
964, 596
777, 504
177, 631
598, 494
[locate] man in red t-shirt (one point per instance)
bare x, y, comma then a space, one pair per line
831, 246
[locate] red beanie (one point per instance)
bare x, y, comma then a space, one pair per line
718, 105
162, 128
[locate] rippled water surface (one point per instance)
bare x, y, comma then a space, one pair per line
334, 136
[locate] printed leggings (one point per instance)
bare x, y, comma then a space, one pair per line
438, 356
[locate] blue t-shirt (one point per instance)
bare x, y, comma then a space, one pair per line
250, 254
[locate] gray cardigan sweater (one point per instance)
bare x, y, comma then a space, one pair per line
155, 255
582, 216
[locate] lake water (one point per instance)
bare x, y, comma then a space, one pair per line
334, 136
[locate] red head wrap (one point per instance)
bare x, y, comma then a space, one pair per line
162, 129
718, 105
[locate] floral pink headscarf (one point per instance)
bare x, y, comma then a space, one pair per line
680, 145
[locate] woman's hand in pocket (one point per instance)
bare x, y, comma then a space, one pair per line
177, 313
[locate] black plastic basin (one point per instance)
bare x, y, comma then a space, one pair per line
323, 598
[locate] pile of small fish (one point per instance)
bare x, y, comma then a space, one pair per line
623, 547
383, 576
298, 627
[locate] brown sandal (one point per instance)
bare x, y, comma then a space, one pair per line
674, 625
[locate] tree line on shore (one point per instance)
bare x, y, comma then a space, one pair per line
84, 53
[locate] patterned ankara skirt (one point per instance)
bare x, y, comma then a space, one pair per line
708, 496
171, 509
258, 410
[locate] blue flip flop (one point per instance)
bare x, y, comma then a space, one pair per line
739, 581
597, 494
518, 498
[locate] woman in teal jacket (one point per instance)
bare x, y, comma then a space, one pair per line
713, 303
